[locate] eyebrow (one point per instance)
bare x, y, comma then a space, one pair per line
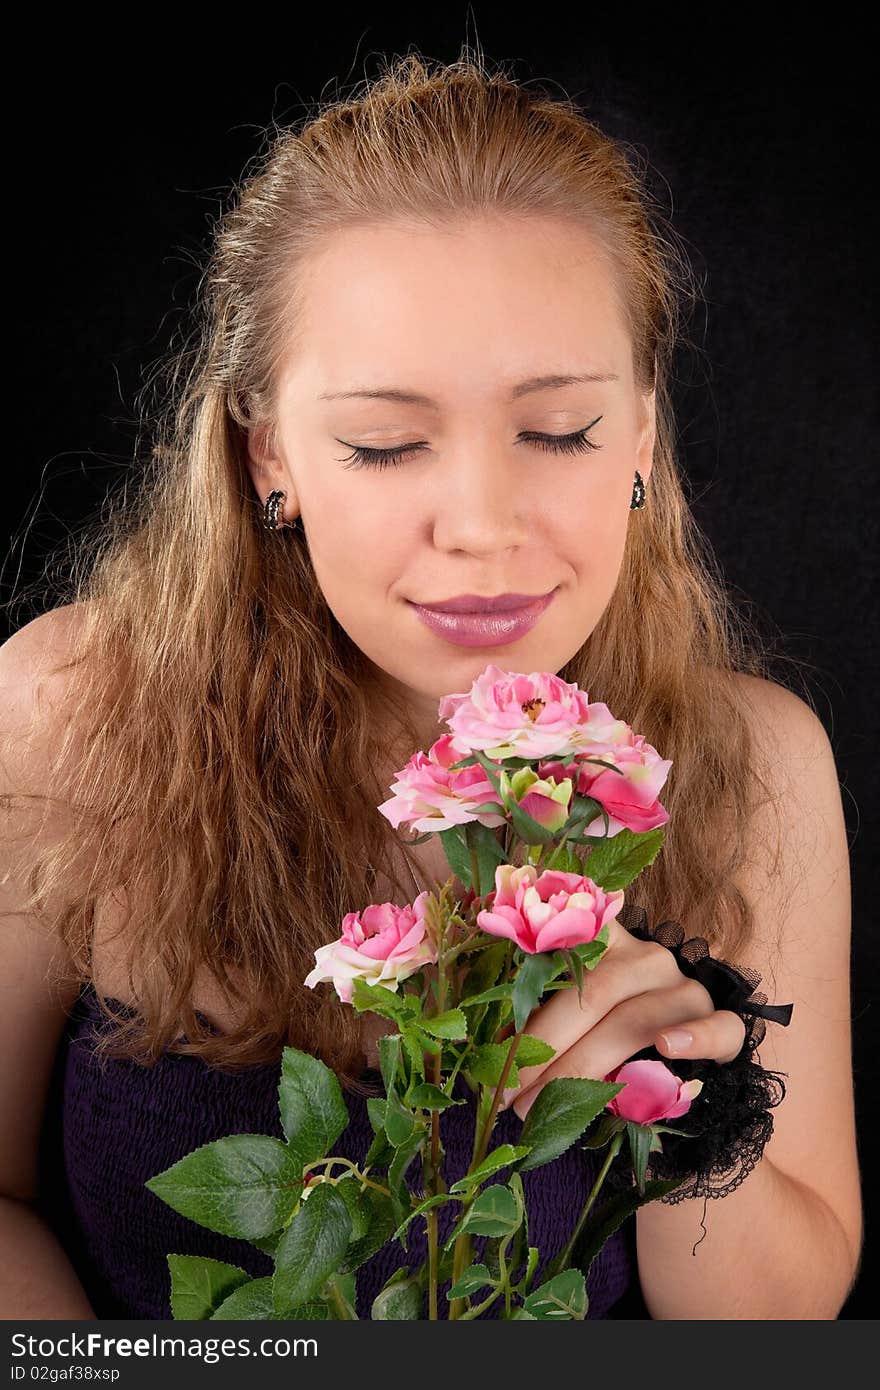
522, 388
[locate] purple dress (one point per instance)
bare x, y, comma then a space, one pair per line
111, 1126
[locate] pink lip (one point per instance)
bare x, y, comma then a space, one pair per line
474, 603
475, 629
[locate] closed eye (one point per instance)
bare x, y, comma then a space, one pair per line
576, 443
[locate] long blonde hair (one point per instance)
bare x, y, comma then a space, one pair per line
219, 764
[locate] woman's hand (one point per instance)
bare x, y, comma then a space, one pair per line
635, 997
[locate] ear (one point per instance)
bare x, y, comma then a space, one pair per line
647, 435
268, 470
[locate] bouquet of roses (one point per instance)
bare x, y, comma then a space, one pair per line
575, 791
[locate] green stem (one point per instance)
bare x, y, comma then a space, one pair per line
346, 1312
561, 1260
463, 1245
503, 1287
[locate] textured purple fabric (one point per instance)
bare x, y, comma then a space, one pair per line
120, 1124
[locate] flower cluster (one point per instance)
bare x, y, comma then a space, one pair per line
529, 763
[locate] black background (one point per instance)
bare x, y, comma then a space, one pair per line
125, 153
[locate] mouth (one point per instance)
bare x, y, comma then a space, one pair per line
482, 628
475, 603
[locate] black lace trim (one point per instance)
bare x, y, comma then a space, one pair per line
729, 1124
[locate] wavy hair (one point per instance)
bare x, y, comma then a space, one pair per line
218, 762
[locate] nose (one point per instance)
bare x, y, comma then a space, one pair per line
481, 505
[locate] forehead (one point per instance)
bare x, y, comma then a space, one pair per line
464, 308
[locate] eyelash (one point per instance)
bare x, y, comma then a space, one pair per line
576, 443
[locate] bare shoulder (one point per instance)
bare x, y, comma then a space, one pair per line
33, 658
789, 736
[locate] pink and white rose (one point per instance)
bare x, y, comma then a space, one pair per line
382, 945
546, 912
511, 715
428, 796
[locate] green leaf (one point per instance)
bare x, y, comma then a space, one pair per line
268, 1244
614, 862
430, 1045
439, 1199
486, 1062
450, 1024
589, 953
378, 999
490, 853
500, 1157
457, 854
389, 1060
376, 1112
358, 1203
471, 1280
243, 1185
431, 1097
414, 1053
400, 1301
529, 984
311, 1248
381, 1151
252, 1301
199, 1285
400, 1194
313, 1112
399, 1120
378, 1234
494, 1212
605, 1129
559, 1114
564, 859
532, 1051
604, 1220
521, 1238
484, 1065
564, 1297
640, 1139
485, 966
504, 991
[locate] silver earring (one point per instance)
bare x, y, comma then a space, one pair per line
271, 512
638, 493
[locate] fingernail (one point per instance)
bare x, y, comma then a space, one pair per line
507, 1096
677, 1039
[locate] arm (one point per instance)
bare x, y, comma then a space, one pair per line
36, 1277
786, 1243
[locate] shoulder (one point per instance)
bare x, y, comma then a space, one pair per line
791, 743
38, 711
770, 706
34, 657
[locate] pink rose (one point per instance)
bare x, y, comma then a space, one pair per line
508, 714
549, 912
382, 945
651, 1092
630, 795
430, 797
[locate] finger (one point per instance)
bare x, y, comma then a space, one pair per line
625, 1030
719, 1036
629, 970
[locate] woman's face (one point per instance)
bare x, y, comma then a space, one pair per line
469, 321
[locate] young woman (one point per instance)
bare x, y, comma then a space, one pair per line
433, 361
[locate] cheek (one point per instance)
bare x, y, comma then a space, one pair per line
359, 547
